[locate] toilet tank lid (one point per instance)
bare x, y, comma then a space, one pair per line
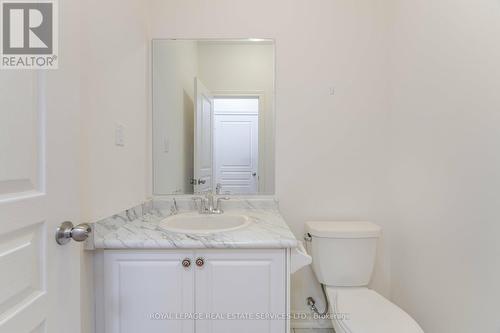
343, 229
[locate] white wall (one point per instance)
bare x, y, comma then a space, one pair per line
245, 67
330, 150
175, 67
114, 91
446, 164
114, 83
431, 135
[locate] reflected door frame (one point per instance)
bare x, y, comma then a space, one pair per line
203, 171
260, 94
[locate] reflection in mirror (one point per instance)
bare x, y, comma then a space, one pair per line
213, 116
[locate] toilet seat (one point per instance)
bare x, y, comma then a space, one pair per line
361, 310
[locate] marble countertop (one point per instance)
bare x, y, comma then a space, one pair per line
138, 228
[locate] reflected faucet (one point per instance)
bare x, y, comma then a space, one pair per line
174, 209
210, 203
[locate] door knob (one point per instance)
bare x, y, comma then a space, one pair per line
66, 232
194, 181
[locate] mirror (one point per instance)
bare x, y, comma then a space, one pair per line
213, 116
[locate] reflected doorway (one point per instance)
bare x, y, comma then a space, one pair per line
236, 144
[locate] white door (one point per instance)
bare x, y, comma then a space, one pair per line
144, 292
236, 145
247, 282
203, 160
39, 154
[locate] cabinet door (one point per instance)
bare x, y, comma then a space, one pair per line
243, 286
143, 291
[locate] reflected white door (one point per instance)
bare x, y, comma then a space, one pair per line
237, 145
39, 280
203, 161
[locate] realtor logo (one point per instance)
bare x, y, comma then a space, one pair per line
29, 34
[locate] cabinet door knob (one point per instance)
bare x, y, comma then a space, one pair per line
186, 263
200, 262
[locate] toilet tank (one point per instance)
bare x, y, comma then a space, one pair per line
343, 252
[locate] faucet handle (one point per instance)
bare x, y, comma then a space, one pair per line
217, 207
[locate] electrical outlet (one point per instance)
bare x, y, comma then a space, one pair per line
119, 135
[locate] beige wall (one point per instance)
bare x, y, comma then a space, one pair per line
248, 68
445, 172
114, 90
407, 141
175, 67
113, 67
330, 150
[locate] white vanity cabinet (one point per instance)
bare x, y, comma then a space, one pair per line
245, 282
242, 289
141, 288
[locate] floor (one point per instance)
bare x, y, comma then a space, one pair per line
312, 330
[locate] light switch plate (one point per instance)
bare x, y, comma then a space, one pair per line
119, 135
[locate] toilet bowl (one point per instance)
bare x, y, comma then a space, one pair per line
343, 259
361, 310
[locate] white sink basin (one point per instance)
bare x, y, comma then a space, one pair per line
204, 224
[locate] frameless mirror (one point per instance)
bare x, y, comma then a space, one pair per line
213, 116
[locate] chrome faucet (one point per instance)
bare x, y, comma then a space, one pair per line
210, 203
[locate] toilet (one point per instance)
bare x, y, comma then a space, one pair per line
343, 259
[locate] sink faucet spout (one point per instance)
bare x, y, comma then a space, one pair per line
210, 204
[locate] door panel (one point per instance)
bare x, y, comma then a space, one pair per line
203, 160
21, 266
19, 132
23, 297
236, 152
143, 291
38, 190
248, 282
